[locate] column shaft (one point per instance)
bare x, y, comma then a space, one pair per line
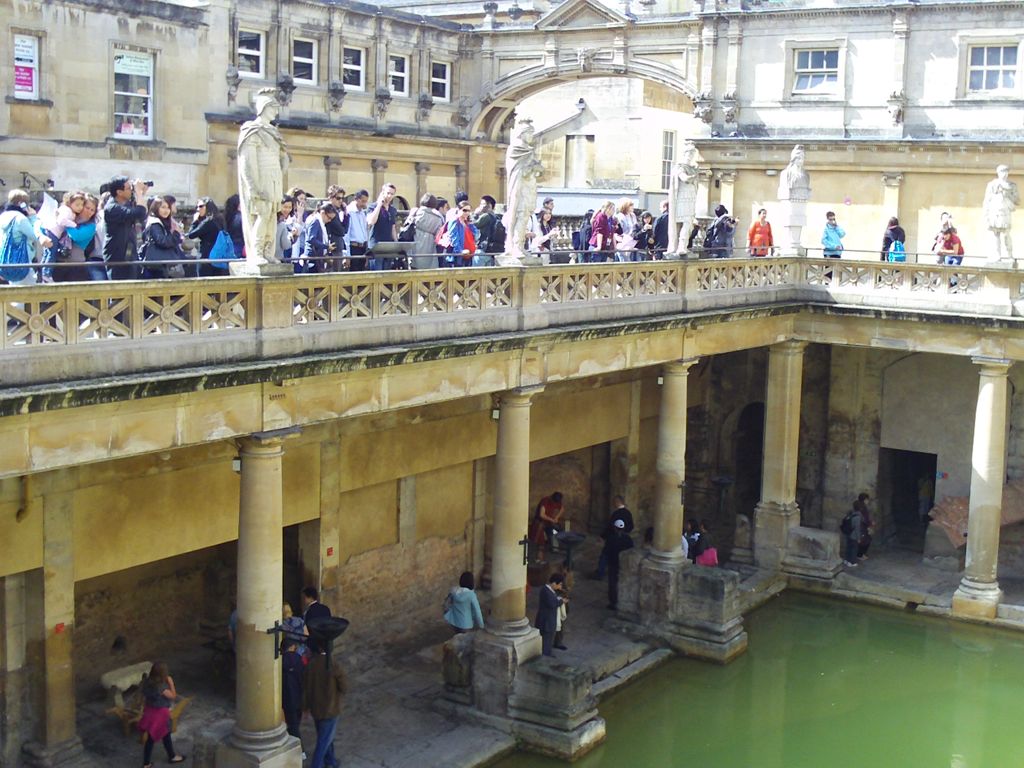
260, 573
777, 511
979, 593
511, 514
671, 463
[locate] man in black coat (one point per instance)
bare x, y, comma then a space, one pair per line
619, 512
616, 544
547, 611
661, 225
122, 212
313, 609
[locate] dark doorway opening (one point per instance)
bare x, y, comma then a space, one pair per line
749, 452
902, 477
293, 577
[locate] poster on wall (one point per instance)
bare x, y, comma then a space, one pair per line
26, 67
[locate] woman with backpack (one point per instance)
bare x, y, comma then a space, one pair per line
893, 234
206, 228
18, 241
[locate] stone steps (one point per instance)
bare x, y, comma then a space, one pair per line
631, 672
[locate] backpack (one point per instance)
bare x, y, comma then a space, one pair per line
497, 241
897, 252
223, 248
408, 231
846, 526
13, 254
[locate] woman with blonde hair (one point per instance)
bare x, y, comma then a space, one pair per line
625, 242
158, 693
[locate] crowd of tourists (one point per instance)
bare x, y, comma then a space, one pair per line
126, 232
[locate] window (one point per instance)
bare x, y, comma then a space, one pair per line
440, 81
816, 71
250, 53
398, 75
304, 61
26, 67
133, 95
992, 68
353, 68
668, 156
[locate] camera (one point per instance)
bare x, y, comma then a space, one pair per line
148, 183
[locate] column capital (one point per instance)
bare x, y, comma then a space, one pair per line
422, 168
521, 396
892, 179
266, 442
788, 347
378, 165
993, 366
331, 162
680, 367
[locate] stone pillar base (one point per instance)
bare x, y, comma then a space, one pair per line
976, 601
772, 524
812, 554
266, 749
693, 609
66, 754
496, 662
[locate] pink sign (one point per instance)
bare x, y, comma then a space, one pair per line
24, 79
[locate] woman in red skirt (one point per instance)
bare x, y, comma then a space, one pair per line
159, 694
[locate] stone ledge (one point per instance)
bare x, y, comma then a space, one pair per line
631, 672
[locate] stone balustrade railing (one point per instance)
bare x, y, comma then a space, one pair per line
84, 330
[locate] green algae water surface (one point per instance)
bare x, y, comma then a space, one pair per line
826, 684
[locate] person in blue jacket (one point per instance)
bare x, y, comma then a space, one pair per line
832, 237
461, 607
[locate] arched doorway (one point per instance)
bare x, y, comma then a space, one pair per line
748, 449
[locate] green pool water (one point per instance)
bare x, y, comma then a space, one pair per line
826, 684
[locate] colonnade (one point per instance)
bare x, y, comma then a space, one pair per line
259, 733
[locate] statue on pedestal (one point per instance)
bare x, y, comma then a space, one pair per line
261, 162
794, 192
1001, 199
683, 196
522, 168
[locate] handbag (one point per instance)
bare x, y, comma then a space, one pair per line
13, 254
223, 248
407, 233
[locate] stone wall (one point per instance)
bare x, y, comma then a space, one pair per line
810, 478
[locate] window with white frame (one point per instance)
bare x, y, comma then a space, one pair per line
668, 156
353, 68
991, 68
816, 71
251, 47
398, 75
440, 80
304, 61
133, 95
26, 67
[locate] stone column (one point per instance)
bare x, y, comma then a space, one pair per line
460, 178
777, 512
892, 181
511, 515
422, 169
332, 170
259, 736
378, 167
671, 464
979, 594
727, 195
59, 743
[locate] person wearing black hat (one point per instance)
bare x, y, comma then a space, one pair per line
323, 685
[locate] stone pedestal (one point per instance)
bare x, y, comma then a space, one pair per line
772, 523
692, 609
742, 545
68, 753
243, 268
979, 594
794, 219
812, 553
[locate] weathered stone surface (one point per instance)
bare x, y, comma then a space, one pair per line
457, 666
813, 553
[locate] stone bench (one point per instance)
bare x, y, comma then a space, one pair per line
117, 681
130, 714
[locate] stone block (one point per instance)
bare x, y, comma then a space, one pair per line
457, 668
287, 755
812, 553
496, 662
565, 745
772, 523
552, 694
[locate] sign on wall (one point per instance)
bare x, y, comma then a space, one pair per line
26, 67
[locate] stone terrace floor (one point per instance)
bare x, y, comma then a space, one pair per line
391, 720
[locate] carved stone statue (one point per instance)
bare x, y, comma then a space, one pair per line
683, 196
794, 192
1001, 199
523, 169
261, 162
